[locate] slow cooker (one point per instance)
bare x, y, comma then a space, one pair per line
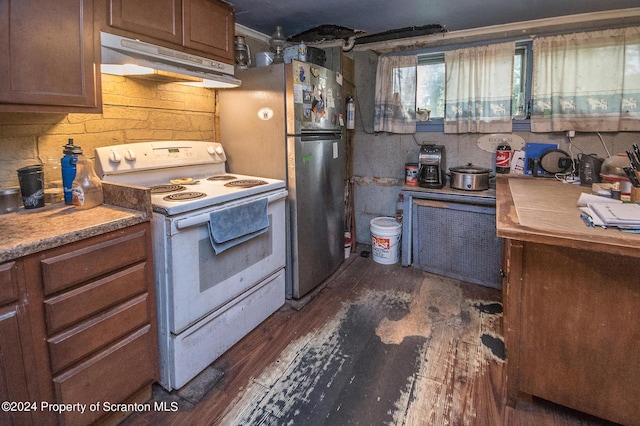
470, 177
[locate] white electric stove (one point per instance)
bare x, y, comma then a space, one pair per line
208, 296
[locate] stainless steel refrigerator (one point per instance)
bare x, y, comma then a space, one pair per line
285, 122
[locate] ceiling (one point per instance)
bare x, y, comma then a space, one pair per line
369, 17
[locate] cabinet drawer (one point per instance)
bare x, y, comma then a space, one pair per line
112, 375
68, 308
75, 267
78, 342
8, 280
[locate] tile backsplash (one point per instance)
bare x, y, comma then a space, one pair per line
133, 111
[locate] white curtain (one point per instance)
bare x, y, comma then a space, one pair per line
478, 89
587, 81
395, 102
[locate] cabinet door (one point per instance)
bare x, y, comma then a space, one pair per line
47, 50
160, 19
467, 248
579, 343
13, 379
209, 27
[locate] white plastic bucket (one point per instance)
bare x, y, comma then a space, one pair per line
385, 240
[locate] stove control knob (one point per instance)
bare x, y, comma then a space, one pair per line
217, 151
115, 157
130, 155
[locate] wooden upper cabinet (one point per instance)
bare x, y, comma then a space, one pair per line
160, 19
48, 51
204, 27
209, 27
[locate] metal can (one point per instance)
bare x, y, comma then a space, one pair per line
411, 174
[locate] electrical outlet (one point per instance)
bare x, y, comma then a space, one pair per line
571, 133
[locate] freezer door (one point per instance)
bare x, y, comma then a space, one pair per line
314, 99
252, 123
316, 193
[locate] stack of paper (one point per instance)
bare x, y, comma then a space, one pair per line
608, 212
620, 215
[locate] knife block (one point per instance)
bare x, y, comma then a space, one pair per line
635, 194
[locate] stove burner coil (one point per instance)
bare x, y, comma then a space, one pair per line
184, 196
163, 189
245, 183
222, 177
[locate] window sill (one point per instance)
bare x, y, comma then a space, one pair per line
437, 125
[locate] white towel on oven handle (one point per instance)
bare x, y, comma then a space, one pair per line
236, 225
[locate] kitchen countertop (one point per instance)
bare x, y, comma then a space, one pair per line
30, 231
545, 211
447, 190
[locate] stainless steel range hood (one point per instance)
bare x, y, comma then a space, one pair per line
125, 56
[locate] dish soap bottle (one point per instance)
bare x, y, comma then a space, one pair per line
86, 189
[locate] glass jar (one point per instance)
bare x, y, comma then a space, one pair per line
53, 189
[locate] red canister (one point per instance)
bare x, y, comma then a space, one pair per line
411, 174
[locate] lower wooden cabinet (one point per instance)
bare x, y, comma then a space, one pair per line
571, 328
13, 371
15, 361
92, 316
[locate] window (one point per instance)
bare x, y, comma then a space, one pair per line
519, 108
585, 81
430, 84
430, 89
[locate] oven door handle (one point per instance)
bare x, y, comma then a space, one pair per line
204, 218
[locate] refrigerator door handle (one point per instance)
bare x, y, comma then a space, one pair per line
314, 137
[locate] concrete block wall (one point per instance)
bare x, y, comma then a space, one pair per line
134, 110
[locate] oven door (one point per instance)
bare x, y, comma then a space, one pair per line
193, 281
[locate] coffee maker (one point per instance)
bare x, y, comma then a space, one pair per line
432, 162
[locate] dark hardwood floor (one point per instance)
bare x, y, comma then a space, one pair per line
378, 345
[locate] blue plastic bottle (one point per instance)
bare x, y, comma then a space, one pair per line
68, 162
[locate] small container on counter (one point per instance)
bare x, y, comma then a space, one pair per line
31, 179
411, 174
53, 188
9, 200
